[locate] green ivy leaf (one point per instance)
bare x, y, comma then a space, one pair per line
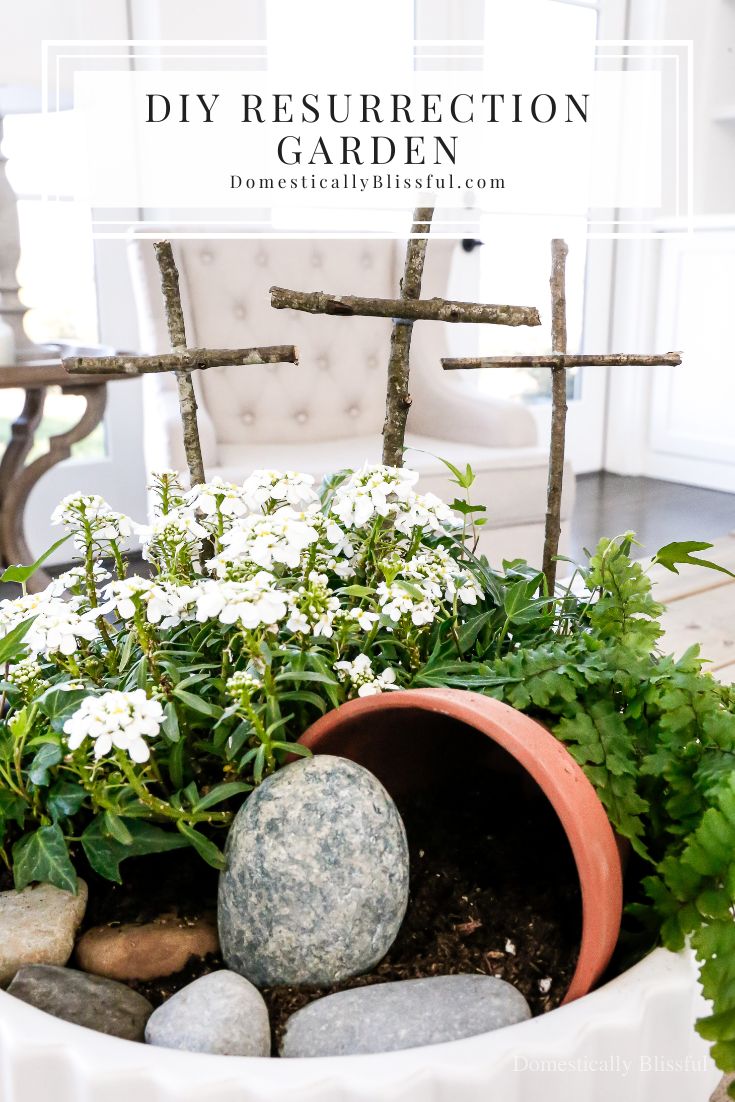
105, 853
12, 807
49, 755
59, 704
44, 857
64, 799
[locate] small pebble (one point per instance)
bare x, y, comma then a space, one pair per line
146, 951
510, 947
386, 1017
91, 1001
221, 1013
38, 926
544, 985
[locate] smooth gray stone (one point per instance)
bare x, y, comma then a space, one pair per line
405, 1014
91, 1001
316, 884
221, 1013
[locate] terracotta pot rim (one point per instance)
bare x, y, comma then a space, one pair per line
561, 779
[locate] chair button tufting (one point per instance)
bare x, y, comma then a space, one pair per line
261, 259
302, 417
366, 260
206, 256
322, 361
372, 360
353, 412
239, 311
248, 417
316, 260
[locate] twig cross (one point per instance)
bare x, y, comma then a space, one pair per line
181, 360
559, 362
404, 311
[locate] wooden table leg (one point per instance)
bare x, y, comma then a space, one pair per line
22, 436
20, 480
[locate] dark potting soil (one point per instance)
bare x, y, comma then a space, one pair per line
493, 890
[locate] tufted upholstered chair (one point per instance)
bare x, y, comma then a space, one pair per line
327, 412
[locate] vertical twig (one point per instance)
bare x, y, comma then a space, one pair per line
177, 337
552, 530
398, 399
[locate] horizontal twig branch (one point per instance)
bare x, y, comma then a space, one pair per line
615, 359
404, 309
191, 359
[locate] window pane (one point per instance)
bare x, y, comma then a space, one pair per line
56, 271
61, 412
515, 264
43, 152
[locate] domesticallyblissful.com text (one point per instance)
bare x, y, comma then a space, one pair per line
378, 181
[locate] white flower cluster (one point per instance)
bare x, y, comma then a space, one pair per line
265, 491
27, 677
116, 720
58, 627
218, 502
418, 588
279, 561
161, 603
91, 521
388, 493
314, 608
173, 539
252, 604
361, 676
277, 539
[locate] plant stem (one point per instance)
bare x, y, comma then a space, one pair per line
160, 807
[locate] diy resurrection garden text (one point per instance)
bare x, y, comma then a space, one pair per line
363, 113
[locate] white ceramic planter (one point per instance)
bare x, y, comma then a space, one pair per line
630, 1041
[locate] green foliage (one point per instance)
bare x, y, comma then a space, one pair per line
656, 736
411, 598
105, 851
676, 554
44, 855
21, 574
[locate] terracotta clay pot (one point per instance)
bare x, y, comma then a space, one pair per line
406, 739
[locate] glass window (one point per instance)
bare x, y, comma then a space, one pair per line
515, 262
56, 270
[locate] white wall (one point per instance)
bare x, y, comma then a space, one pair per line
710, 24
647, 430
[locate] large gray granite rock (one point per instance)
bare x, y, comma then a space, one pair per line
221, 1013
37, 926
405, 1014
91, 1001
316, 884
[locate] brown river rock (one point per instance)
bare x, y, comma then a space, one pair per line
147, 951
